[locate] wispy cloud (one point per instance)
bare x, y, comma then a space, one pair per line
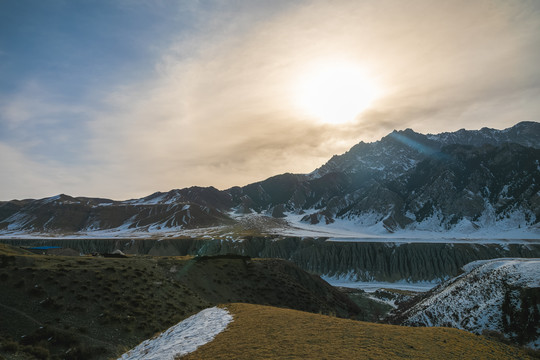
217, 106
43, 126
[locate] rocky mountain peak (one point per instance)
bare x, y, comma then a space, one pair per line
464, 181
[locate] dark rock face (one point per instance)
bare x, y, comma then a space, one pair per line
481, 185
407, 180
359, 261
526, 133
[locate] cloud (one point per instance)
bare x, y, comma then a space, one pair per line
33, 179
28, 105
218, 107
44, 126
226, 116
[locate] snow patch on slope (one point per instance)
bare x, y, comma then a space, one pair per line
351, 281
182, 338
359, 230
368, 228
474, 300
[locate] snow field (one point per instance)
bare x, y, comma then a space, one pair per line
182, 338
359, 229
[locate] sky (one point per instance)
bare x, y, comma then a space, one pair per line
123, 98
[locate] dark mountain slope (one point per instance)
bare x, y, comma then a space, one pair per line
466, 180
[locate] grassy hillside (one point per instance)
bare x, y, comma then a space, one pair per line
95, 307
59, 307
262, 332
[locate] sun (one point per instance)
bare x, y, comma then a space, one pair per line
335, 92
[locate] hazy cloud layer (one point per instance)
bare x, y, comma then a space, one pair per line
215, 103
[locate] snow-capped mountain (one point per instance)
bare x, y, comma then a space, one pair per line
501, 295
400, 151
63, 213
464, 181
413, 181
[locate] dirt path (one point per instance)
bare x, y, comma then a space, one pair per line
23, 314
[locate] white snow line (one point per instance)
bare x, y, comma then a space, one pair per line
182, 338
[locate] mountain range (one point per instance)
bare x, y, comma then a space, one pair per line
465, 181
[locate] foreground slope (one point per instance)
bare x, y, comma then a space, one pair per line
501, 295
262, 332
94, 307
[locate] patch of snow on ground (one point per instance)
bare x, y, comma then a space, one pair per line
341, 230
527, 270
50, 199
182, 338
17, 221
353, 230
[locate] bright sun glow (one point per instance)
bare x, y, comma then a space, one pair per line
335, 92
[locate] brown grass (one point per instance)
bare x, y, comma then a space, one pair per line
262, 332
11, 250
109, 304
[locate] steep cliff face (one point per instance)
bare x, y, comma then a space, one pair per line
475, 186
459, 187
373, 261
351, 261
462, 181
